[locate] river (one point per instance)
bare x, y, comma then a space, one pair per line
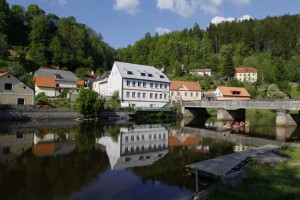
118, 159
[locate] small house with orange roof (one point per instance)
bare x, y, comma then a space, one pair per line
14, 92
246, 74
52, 81
224, 93
201, 72
185, 90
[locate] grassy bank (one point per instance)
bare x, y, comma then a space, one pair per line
281, 181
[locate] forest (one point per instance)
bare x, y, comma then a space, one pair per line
30, 38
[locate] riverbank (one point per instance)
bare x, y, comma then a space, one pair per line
265, 181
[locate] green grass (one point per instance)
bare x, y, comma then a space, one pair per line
295, 93
263, 181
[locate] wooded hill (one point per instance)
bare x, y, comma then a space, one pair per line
30, 39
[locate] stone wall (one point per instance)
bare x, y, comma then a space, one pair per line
23, 115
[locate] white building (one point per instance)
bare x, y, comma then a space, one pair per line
140, 146
185, 90
138, 85
246, 74
201, 72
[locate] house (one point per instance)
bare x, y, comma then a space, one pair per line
138, 85
184, 90
246, 74
141, 145
14, 92
52, 81
223, 93
201, 72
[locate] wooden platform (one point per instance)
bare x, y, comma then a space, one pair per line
223, 165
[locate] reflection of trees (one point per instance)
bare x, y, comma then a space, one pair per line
171, 169
86, 135
32, 177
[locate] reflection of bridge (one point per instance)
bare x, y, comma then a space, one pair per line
234, 109
234, 138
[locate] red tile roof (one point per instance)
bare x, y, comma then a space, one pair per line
45, 81
3, 73
230, 91
80, 82
245, 70
191, 86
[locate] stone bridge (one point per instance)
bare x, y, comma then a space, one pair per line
235, 109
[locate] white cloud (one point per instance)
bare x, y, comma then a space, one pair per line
187, 8
241, 2
245, 17
218, 19
130, 6
216, 2
161, 31
62, 2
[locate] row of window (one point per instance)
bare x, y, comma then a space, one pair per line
144, 84
246, 74
144, 95
142, 137
142, 148
185, 94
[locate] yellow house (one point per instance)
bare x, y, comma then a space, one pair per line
14, 92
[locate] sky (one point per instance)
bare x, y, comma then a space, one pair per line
123, 22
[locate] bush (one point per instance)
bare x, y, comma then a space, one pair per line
88, 103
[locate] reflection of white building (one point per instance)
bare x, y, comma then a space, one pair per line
138, 146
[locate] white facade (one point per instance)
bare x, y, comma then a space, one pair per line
246, 74
49, 92
201, 72
140, 146
138, 85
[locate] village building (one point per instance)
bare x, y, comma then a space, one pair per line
140, 145
52, 82
246, 74
138, 85
185, 91
201, 72
14, 92
227, 93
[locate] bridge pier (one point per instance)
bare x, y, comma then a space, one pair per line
285, 119
230, 115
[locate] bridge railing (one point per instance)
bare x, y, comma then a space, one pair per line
245, 104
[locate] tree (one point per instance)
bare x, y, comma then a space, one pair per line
115, 100
4, 13
228, 68
38, 37
88, 103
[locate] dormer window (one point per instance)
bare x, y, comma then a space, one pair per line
143, 74
236, 92
150, 75
129, 72
161, 76
58, 76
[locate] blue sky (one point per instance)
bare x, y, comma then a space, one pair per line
123, 22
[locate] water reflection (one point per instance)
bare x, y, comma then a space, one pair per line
139, 145
72, 160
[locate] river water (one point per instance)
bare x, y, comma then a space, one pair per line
118, 159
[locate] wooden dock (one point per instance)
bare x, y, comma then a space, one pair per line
220, 166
